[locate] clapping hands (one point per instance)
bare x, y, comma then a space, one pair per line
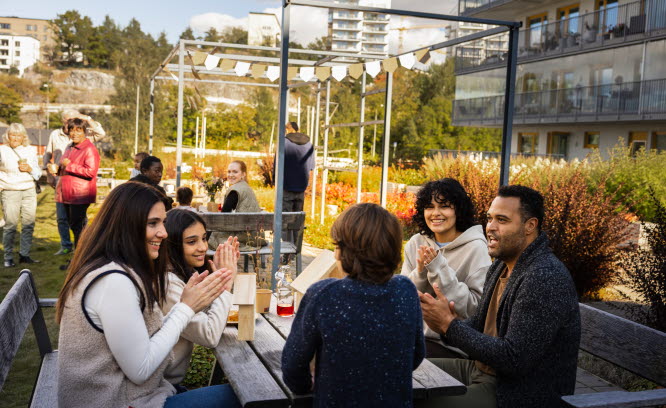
226, 257
424, 255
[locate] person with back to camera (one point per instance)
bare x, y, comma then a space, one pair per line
450, 251
184, 196
240, 196
186, 248
365, 331
114, 341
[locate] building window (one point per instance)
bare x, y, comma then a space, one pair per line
528, 142
17, 43
591, 140
4, 43
659, 141
637, 141
45, 38
4, 52
17, 53
5, 26
3, 62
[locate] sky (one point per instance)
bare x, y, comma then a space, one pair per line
173, 17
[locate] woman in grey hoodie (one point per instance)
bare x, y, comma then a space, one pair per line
450, 250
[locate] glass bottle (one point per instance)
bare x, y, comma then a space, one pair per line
283, 291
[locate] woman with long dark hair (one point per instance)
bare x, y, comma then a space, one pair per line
115, 343
186, 248
450, 251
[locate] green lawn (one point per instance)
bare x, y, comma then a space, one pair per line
49, 278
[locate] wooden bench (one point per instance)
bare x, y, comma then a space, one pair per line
18, 308
255, 224
631, 346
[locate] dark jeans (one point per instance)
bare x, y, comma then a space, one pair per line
63, 226
292, 201
76, 217
207, 397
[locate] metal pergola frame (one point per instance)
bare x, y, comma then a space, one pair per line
329, 60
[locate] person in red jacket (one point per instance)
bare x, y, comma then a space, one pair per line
77, 185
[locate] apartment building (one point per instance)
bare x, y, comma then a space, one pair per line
589, 73
263, 29
18, 51
38, 29
356, 31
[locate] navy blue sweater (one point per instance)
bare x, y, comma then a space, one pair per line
367, 338
298, 161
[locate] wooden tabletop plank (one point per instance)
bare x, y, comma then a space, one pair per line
436, 381
268, 345
251, 381
281, 324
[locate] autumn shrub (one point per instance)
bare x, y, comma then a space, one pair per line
630, 177
646, 269
266, 169
584, 226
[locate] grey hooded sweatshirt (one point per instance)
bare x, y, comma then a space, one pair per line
459, 269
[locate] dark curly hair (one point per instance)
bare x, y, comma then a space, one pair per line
369, 239
445, 191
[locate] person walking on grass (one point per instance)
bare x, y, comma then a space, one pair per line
19, 170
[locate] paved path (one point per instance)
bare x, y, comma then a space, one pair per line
587, 383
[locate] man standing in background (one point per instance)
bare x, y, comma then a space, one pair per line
298, 162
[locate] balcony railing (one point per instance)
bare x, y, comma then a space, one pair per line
628, 22
346, 16
624, 101
467, 6
375, 18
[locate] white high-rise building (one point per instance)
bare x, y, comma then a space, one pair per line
18, 51
263, 29
357, 31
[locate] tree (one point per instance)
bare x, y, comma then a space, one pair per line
265, 106
212, 35
104, 45
74, 33
234, 35
187, 34
10, 104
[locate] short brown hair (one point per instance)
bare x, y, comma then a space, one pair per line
184, 195
369, 239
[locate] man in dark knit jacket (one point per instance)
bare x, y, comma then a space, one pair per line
523, 339
298, 162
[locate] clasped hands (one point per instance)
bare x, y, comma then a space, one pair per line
202, 288
438, 312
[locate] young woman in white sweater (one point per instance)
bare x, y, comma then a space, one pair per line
114, 342
186, 248
451, 251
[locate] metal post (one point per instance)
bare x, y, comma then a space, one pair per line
279, 156
640, 86
204, 136
151, 125
374, 136
387, 139
324, 172
315, 132
136, 124
298, 112
509, 94
196, 140
307, 122
359, 174
179, 127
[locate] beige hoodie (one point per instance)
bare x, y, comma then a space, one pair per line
204, 329
459, 269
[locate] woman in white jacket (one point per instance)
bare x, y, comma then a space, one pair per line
450, 251
186, 249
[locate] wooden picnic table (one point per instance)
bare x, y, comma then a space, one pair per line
253, 368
